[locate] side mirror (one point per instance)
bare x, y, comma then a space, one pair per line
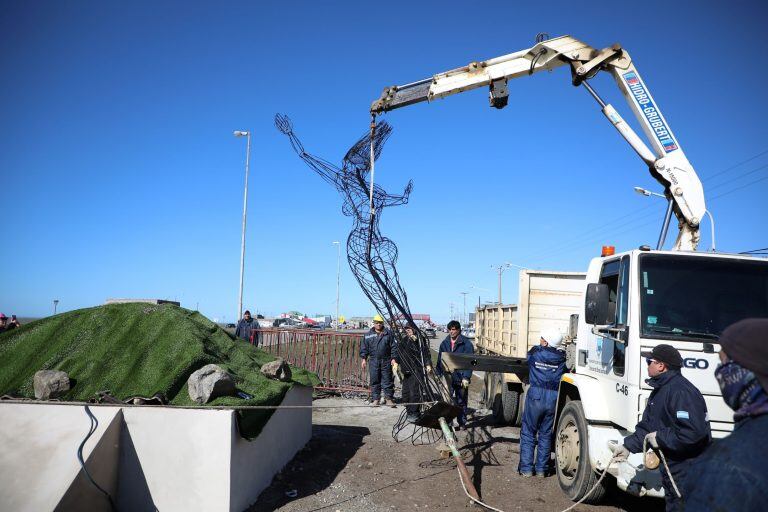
596, 309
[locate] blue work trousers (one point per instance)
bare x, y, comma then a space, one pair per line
536, 433
459, 395
380, 371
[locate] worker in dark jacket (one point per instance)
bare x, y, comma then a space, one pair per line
247, 329
414, 359
546, 364
675, 421
731, 475
459, 379
378, 352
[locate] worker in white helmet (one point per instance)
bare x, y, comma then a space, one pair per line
546, 364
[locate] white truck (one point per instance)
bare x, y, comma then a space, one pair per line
632, 300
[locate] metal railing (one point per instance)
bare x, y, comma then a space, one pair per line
333, 356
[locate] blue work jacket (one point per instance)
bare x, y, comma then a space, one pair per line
677, 413
545, 365
730, 474
379, 346
462, 346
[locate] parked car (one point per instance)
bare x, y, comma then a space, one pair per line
430, 332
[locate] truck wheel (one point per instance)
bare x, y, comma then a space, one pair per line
574, 471
510, 402
493, 397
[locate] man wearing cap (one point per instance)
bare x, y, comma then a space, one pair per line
675, 420
458, 380
731, 474
3, 323
247, 329
378, 352
546, 364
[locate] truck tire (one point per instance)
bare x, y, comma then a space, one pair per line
493, 397
574, 471
518, 421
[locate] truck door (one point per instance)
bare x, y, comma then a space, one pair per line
611, 353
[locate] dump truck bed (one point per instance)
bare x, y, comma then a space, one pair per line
546, 299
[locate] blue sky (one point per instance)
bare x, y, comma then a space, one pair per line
121, 177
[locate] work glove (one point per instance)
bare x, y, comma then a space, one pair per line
465, 383
651, 440
429, 369
620, 452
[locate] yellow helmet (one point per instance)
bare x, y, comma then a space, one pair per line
378, 318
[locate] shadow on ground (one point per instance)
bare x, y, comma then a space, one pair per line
315, 467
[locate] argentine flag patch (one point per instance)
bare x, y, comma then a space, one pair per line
683, 415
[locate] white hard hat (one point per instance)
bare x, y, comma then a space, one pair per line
553, 337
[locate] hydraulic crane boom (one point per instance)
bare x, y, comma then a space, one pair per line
667, 162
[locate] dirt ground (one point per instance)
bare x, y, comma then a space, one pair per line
352, 463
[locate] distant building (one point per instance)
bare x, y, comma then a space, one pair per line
143, 301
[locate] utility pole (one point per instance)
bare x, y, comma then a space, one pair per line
464, 320
500, 269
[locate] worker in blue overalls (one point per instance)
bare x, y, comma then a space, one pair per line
546, 364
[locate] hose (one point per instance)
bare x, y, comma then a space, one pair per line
605, 472
94, 425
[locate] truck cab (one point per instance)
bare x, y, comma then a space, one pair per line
632, 302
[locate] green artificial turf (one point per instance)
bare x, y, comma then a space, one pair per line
139, 349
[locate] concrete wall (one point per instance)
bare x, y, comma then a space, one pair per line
146, 458
254, 463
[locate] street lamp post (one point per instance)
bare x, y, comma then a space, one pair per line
667, 217
55, 305
338, 276
240, 133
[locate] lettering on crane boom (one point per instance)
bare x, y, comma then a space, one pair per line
650, 112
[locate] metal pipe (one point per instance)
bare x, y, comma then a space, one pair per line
665, 226
594, 94
451, 441
712, 224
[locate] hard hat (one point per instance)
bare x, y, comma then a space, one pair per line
378, 318
553, 337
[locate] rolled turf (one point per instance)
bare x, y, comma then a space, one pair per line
139, 349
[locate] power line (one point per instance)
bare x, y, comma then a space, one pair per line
735, 165
738, 177
560, 245
739, 188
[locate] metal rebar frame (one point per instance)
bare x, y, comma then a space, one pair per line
372, 256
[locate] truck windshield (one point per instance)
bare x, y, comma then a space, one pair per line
696, 298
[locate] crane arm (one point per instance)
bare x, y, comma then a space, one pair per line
666, 161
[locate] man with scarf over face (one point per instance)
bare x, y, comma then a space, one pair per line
674, 421
733, 473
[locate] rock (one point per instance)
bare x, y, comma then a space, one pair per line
50, 384
210, 382
277, 369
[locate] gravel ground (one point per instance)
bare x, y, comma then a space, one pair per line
352, 463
